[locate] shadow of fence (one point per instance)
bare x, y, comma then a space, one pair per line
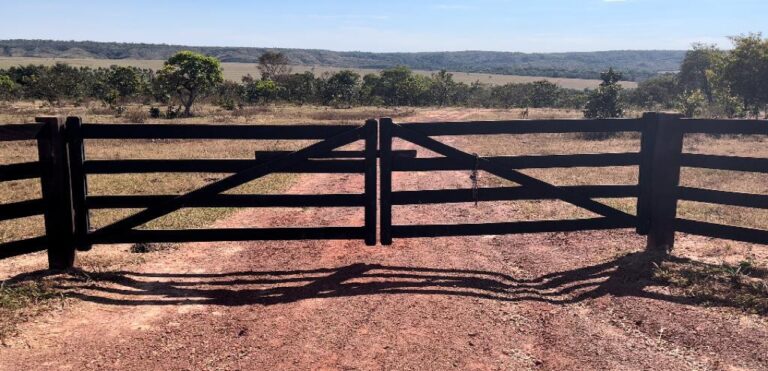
629, 275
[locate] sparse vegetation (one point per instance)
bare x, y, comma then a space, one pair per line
743, 285
19, 301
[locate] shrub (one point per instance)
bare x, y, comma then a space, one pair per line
136, 116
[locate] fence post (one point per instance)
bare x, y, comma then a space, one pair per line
371, 157
385, 148
57, 192
79, 183
661, 149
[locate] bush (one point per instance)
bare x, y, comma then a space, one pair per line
136, 116
154, 112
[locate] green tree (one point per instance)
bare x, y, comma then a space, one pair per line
8, 88
300, 88
691, 103
443, 88
695, 70
190, 75
745, 71
543, 94
259, 91
342, 89
604, 101
659, 92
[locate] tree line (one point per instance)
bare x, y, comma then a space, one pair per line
187, 78
712, 82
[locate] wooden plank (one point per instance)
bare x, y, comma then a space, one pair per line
26, 246
724, 198
57, 193
747, 127
525, 127
17, 132
21, 209
733, 163
664, 179
511, 175
189, 131
506, 194
645, 181
233, 234
520, 162
227, 200
721, 231
230, 182
218, 166
79, 181
19, 171
261, 155
385, 180
371, 173
447, 230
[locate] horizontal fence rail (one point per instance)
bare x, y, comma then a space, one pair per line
231, 132
320, 157
25, 171
526, 127
63, 169
519, 162
504, 167
728, 163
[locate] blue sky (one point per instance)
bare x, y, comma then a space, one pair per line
392, 25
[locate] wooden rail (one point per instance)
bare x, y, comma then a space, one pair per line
63, 169
657, 192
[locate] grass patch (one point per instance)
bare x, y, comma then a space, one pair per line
22, 300
145, 248
743, 286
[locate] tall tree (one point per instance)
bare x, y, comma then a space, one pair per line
745, 71
189, 75
273, 65
604, 101
695, 71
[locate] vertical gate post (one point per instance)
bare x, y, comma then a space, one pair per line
385, 148
76, 152
371, 157
57, 192
661, 150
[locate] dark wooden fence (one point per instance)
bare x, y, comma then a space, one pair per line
66, 202
63, 170
659, 163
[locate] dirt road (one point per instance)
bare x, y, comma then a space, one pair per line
548, 301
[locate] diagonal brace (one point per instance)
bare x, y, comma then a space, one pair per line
511, 175
232, 181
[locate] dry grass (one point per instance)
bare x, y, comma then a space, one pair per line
235, 71
19, 301
743, 285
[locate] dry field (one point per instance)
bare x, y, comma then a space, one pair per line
586, 300
234, 71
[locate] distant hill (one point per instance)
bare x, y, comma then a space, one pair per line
636, 65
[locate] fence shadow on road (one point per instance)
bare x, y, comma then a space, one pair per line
629, 275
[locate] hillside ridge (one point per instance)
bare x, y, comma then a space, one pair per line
635, 64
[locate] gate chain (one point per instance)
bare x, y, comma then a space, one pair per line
474, 178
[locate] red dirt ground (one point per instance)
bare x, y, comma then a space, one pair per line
547, 301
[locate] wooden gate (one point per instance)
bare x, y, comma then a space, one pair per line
315, 158
63, 170
504, 167
659, 162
